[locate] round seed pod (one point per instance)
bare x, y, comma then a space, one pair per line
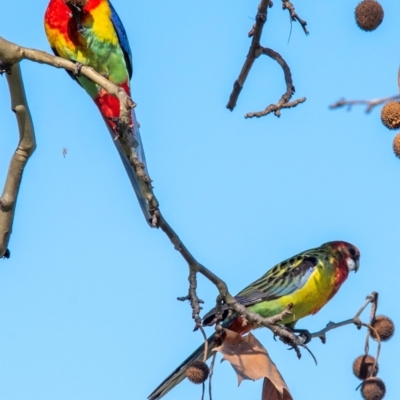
369, 15
396, 145
363, 365
390, 115
373, 389
384, 326
197, 372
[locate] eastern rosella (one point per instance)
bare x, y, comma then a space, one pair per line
307, 281
91, 33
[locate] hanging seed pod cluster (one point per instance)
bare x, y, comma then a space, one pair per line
390, 116
365, 367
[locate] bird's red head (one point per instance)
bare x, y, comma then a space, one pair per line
347, 252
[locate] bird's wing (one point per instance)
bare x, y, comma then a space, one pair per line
281, 280
123, 39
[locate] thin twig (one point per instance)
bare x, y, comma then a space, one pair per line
371, 104
205, 343
256, 32
287, 5
355, 320
374, 307
210, 375
254, 52
284, 100
378, 339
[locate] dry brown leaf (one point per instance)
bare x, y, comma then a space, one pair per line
250, 360
270, 392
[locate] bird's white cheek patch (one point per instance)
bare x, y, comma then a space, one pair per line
351, 264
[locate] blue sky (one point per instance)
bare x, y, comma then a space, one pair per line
87, 300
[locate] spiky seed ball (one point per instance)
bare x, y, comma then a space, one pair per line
369, 15
396, 145
373, 389
390, 115
363, 365
384, 326
197, 372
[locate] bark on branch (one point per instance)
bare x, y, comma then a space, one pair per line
26, 146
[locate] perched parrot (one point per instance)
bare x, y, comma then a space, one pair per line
90, 32
307, 281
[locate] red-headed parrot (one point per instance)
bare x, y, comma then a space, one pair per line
307, 281
90, 32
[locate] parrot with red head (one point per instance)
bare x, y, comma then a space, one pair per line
307, 281
90, 32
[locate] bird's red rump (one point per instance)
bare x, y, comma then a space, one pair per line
109, 105
240, 326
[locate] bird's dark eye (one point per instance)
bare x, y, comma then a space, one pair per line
352, 251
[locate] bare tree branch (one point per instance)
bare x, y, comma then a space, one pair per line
254, 52
287, 5
11, 53
26, 146
255, 33
372, 298
284, 100
369, 103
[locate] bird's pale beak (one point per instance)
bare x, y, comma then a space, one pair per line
352, 265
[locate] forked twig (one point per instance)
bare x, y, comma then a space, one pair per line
255, 51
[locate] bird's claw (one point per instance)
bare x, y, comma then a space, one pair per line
303, 334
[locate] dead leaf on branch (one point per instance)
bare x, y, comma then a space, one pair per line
270, 392
250, 360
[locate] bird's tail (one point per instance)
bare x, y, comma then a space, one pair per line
178, 375
136, 150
